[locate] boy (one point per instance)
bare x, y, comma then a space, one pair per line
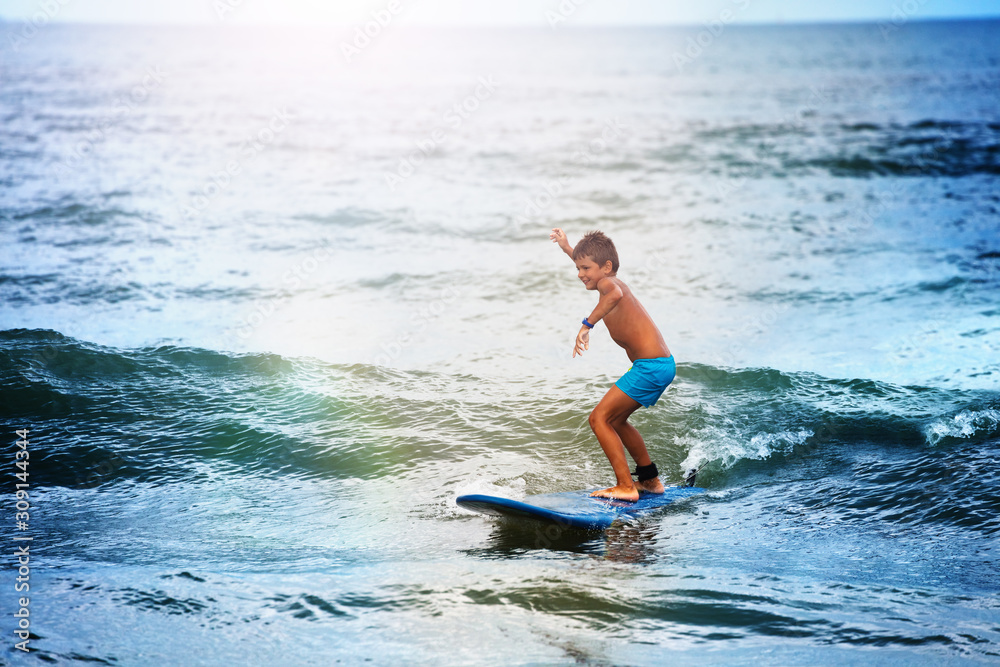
653, 366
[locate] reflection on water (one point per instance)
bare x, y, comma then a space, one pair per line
624, 542
631, 542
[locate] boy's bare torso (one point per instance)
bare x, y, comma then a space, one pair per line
631, 326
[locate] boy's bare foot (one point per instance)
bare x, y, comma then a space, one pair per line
629, 493
651, 485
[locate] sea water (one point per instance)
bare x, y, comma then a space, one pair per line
268, 305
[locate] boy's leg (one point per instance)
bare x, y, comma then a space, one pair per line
614, 409
636, 447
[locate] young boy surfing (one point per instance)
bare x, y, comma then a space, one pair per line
653, 366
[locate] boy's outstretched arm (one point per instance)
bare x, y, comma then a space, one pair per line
559, 236
611, 294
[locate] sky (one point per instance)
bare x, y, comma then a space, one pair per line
489, 12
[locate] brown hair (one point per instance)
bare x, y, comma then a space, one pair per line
599, 247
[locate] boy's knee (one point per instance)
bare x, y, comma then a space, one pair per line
597, 417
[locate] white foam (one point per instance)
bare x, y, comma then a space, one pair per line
965, 424
724, 446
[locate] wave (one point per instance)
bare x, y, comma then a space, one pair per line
104, 416
857, 150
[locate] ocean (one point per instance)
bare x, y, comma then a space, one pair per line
271, 298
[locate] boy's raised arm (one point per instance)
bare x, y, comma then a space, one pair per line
559, 236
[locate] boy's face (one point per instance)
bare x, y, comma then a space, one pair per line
590, 273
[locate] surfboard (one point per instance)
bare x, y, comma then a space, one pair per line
575, 509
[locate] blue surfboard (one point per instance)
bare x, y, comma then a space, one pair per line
575, 509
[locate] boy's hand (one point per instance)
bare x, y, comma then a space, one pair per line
582, 341
559, 236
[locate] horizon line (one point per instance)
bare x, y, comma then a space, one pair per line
574, 25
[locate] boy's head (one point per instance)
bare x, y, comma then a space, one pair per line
599, 248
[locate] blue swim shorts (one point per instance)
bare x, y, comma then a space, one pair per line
647, 379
